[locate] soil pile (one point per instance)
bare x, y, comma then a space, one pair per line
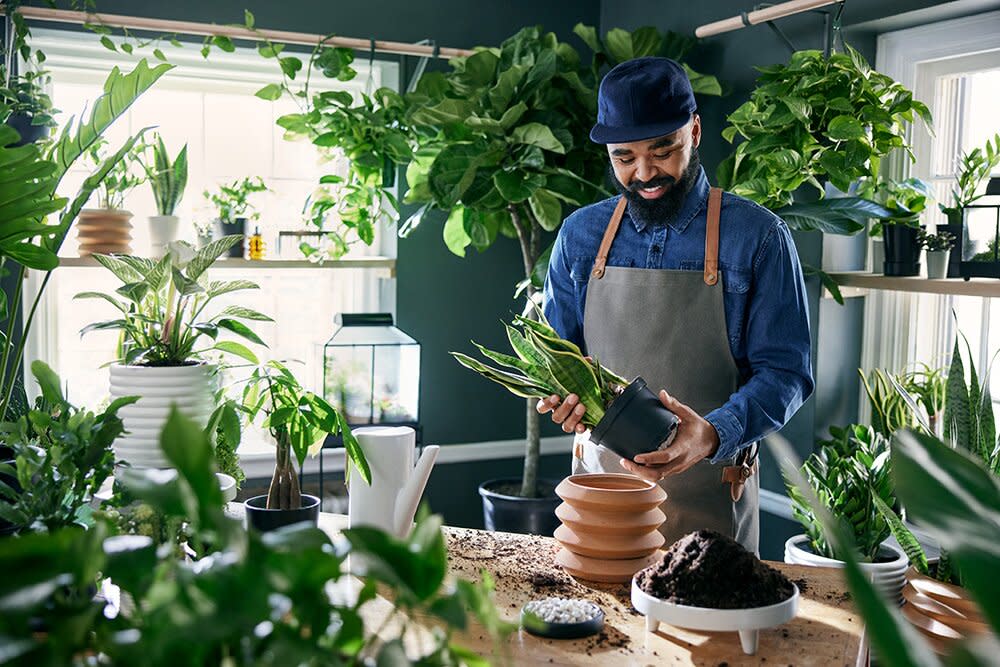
706, 569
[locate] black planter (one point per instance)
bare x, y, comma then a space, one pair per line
262, 519
635, 423
514, 514
902, 250
954, 227
29, 133
239, 227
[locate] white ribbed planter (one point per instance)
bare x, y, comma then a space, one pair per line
162, 230
889, 576
190, 388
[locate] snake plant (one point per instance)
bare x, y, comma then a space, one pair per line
547, 364
847, 474
166, 178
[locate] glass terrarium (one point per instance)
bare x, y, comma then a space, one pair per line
981, 235
371, 370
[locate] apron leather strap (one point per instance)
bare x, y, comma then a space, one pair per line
737, 475
609, 238
712, 236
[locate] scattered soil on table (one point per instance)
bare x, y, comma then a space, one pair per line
706, 569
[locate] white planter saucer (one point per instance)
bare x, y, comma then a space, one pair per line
747, 622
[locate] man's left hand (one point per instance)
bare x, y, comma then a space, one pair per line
696, 439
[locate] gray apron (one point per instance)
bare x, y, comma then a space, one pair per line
670, 327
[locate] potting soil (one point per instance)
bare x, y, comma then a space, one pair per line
707, 569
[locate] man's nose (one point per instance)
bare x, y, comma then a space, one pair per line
645, 171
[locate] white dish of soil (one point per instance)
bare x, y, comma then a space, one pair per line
747, 622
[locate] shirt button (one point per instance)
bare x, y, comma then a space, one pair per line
656, 248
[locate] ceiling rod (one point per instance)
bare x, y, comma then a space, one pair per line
763, 15
167, 26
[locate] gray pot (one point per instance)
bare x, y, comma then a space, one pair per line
937, 263
877, 250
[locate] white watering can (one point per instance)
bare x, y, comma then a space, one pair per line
390, 502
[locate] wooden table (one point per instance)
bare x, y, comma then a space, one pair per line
826, 632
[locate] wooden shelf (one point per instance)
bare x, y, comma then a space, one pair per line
385, 265
856, 283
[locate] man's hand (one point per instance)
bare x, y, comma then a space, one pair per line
568, 414
696, 439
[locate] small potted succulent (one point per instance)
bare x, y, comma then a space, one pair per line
163, 321
847, 473
107, 228
232, 205
624, 416
938, 247
167, 179
299, 421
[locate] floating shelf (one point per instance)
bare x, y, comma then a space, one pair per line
858, 282
385, 265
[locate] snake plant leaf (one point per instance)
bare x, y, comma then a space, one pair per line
507, 360
516, 384
956, 408
907, 540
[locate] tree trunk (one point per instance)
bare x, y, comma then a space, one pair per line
284, 492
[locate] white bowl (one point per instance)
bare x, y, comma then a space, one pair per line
747, 622
228, 486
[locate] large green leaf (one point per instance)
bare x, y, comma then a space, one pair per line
455, 236
546, 209
840, 215
536, 134
452, 172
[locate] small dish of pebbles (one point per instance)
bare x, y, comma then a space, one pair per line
562, 618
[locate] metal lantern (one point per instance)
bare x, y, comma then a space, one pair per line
371, 370
981, 235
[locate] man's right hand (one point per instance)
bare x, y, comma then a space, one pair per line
568, 413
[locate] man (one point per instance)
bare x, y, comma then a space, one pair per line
698, 291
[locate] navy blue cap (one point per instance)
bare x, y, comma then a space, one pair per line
642, 99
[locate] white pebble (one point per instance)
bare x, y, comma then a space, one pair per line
562, 610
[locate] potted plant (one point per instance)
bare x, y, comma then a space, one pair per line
26, 107
61, 457
106, 229
900, 228
929, 388
162, 319
233, 208
299, 421
624, 416
938, 247
889, 410
846, 473
167, 180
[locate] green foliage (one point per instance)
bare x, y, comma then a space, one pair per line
937, 242
846, 473
973, 168
62, 456
545, 365
161, 302
968, 411
23, 93
815, 119
232, 200
120, 179
225, 430
299, 421
929, 387
890, 411
280, 580
166, 178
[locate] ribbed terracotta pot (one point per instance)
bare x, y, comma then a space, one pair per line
941, 612
609, 525
104, 231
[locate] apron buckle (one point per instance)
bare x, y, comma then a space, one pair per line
737, 477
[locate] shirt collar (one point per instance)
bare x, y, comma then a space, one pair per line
693, 203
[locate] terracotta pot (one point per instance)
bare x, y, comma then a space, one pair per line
941, 612
610, 526
104, 231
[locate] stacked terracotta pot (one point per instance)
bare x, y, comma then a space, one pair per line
942, 613
104, 231
610, 526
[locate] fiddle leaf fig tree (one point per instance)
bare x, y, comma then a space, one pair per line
502, 145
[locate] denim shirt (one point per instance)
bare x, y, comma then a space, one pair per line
767, 320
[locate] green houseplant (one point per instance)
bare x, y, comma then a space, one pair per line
973, 168
167, 178
166, 330
231, 202
26, 107
890, 411
299, 421
106, 228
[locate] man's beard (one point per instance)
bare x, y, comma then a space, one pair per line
664, 208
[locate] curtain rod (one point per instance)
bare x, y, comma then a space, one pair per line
764, 15
168, 26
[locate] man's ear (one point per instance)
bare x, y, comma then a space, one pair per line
695, 130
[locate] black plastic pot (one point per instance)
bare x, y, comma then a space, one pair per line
262, 519
514, 514
902, 250
29, 133
635, 423
237, 226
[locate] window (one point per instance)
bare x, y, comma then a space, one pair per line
208, 104
953, 66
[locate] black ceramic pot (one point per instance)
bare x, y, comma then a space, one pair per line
902, 250
262, 519
29, 133
513, 514
635, 423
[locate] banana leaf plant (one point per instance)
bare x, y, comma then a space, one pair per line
30, 177
547, 364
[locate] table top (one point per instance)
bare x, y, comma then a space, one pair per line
827, 630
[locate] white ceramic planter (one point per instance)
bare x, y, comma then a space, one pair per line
162, 230
889, 576
937, 263
190, 388
877, 253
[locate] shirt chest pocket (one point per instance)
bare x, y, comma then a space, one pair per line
736, 283
580, 269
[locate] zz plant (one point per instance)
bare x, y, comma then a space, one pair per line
846, 473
